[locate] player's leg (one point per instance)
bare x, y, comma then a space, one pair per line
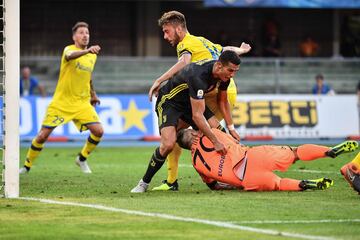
53, 118
351, 173
309, 152
96, 132
288, 184
345, 147
84, 119
167, 142
34, 150
259, 175
172, 161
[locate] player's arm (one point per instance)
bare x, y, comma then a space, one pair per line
225, 109
244, 48
184, 60
73, 54
94, 100
198, 109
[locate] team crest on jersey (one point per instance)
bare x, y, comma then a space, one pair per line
180, 47
164, 118
200, 93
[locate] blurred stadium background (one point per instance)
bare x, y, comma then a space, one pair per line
134, 54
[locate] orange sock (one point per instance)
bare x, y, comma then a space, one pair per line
287, 184
308, 152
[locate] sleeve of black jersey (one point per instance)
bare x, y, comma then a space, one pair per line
197, 88
223, 86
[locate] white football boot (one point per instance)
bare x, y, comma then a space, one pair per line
83, 165
141, 187
24, 170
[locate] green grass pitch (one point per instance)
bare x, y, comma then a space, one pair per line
117, 170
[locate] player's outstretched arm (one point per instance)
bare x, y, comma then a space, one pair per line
244, 48
184, 60
78, 53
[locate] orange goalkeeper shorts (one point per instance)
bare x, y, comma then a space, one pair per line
261, 163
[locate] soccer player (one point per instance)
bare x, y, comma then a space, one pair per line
189, 49
181, 100
251, 168
351, 173
74, 99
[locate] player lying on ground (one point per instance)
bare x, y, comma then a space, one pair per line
251, 168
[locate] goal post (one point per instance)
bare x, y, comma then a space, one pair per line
11, 100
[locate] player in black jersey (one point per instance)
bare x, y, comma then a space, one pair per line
181, 103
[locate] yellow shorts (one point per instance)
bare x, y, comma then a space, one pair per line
81, 117
211, 99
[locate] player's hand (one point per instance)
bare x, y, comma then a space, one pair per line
94, 49
94, 100
154, 90
245, 47
235, 135
220, 148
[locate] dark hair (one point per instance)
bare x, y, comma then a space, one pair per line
229, 56
174, 18
180, 139
319, 76
79, 24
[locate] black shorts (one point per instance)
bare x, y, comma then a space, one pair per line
169, 112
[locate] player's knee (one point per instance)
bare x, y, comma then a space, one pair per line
98, 131
166, 147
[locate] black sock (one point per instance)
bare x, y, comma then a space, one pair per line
155, 164
82, 158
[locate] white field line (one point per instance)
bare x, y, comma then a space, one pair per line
314, 171
298, 221
291, 170
182, 219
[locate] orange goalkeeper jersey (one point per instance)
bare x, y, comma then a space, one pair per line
211, 165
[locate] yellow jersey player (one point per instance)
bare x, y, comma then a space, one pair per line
191, 48
74, 99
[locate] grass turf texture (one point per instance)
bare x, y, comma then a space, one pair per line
117, 170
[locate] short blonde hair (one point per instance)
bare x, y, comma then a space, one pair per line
79, 24
174, 18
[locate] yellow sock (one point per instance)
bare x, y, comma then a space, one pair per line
173, 164
356, 161
33, 152
90, 145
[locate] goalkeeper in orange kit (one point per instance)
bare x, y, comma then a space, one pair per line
251, 168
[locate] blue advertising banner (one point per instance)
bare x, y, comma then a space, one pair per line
284, 3
122, 116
